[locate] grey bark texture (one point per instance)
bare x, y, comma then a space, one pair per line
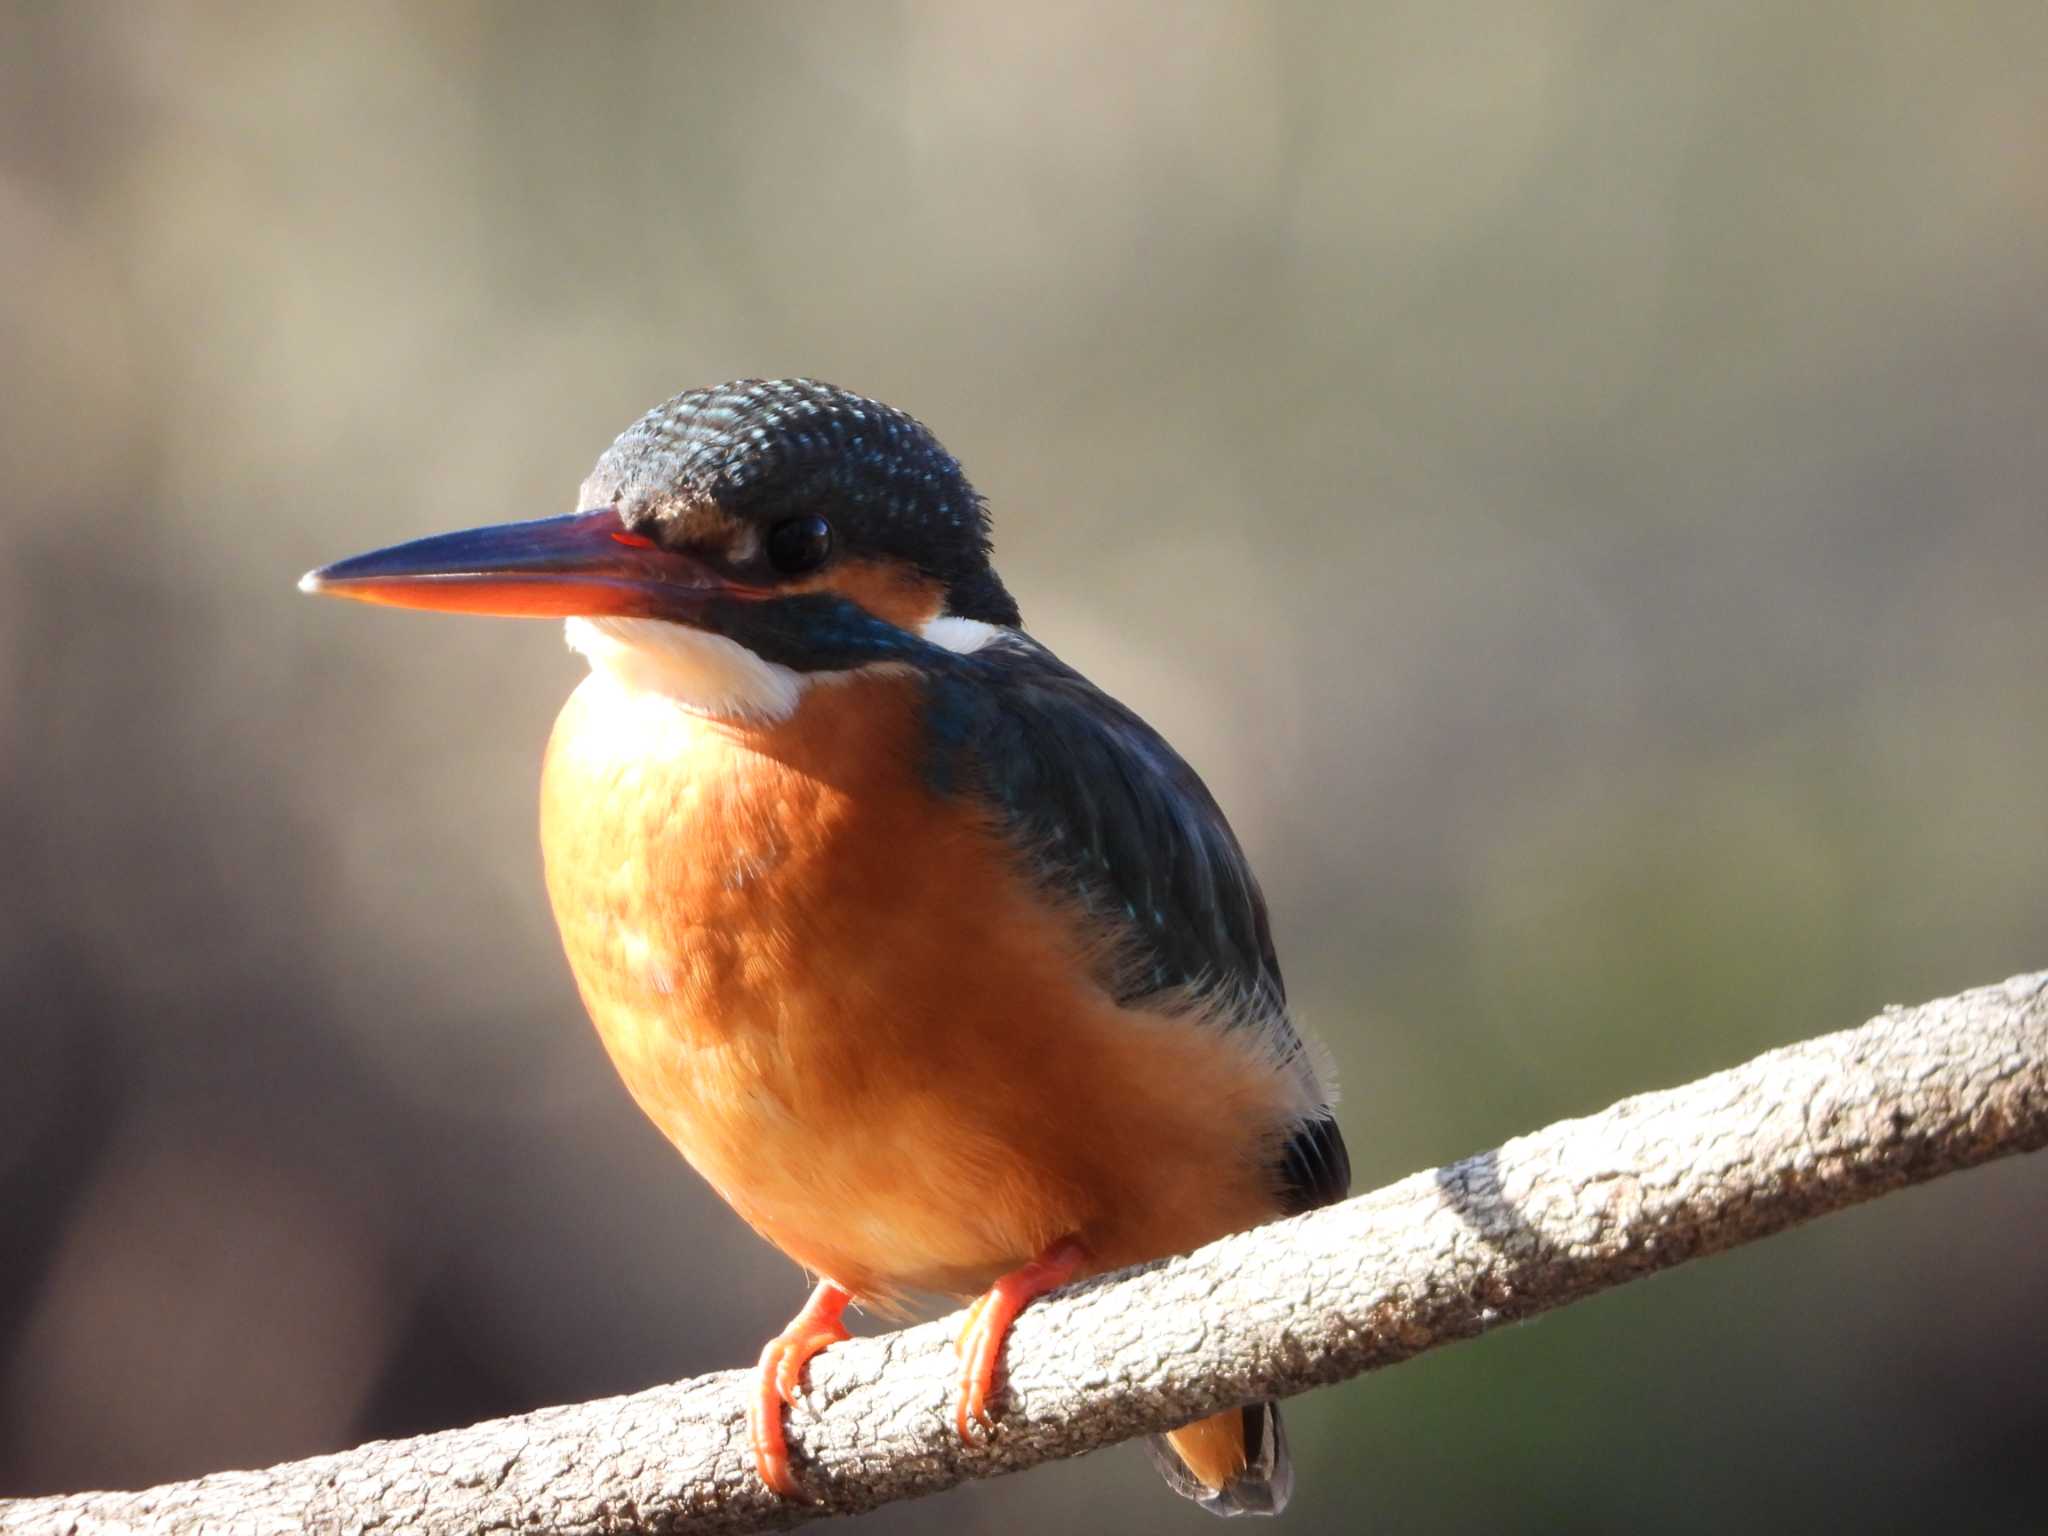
1443, 1255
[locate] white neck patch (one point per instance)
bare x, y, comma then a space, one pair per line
963, 637
711, 675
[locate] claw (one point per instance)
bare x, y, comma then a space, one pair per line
792, 1354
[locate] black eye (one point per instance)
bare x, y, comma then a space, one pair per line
799, 544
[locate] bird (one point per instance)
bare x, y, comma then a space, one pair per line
937, 962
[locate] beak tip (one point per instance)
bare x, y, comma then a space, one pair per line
311, 582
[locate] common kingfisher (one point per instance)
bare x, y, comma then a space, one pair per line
937, 962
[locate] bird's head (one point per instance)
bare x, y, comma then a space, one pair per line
782, 524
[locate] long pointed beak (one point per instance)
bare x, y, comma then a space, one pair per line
555, 567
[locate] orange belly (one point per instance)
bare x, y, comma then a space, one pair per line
841, 1000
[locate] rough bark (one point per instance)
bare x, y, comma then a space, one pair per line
1573, 1209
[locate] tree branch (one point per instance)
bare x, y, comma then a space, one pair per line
1542, 1221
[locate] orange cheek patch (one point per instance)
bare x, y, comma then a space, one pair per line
906, 598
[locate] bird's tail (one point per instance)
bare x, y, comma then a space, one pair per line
1233, 1463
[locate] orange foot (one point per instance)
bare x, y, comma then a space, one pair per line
980, 1344
780, 1379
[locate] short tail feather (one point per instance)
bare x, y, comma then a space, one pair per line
1234, 1463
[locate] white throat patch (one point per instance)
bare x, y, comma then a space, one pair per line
703, 672
711, 675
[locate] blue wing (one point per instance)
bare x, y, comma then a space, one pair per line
1118, 823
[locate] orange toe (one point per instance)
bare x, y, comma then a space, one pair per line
969, 1323
779, 1378
980, 1344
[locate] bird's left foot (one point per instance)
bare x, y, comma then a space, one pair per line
980, 1344
780, 1378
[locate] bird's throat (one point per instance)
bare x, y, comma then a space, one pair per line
705, 673
715, 676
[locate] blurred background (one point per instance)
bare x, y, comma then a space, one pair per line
1571, 475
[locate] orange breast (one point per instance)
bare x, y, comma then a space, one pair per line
841, 1000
